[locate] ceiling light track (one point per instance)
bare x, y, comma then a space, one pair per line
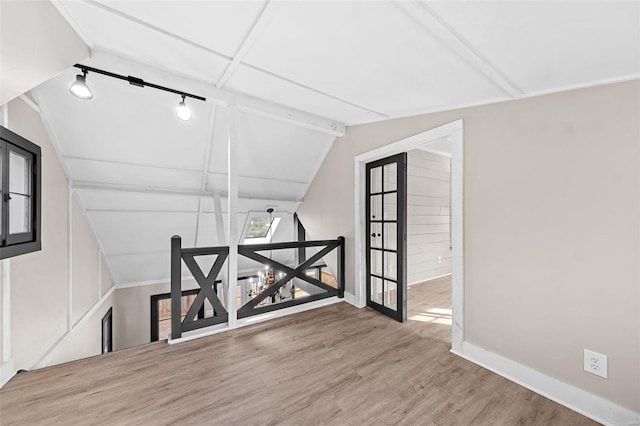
135, 81
81, 90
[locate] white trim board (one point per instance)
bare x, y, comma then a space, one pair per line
221, 328
6, 372
44, 361
581, 401
454, 133
351, 299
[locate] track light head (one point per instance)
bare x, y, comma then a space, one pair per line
79, 88
183, 111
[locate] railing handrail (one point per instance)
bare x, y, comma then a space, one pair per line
287, 245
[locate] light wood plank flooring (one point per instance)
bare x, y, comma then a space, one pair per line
335, 365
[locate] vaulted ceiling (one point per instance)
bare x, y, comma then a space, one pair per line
144, 175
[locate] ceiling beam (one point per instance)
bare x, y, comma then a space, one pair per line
101, 186
222, 56
333, 127
421, 13
179, 169
27, 100
157, 29
223, 97
255, 30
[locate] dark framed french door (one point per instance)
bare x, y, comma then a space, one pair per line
386, 224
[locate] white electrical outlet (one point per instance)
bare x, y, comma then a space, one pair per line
595, 363
439, 259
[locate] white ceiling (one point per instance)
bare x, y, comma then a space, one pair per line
348, 61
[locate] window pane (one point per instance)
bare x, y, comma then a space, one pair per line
390, 206
390, 295
258, 227
376, 180
376, 262
376, 207
390, 265
390, 177
19, 214
19, 174
376, 290
390, 236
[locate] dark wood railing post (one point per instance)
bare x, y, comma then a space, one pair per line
176, 287
341, 265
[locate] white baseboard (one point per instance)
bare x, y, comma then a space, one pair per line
221, 328
581, 401
6, 372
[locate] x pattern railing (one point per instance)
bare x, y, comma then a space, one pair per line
251, 251
208, 289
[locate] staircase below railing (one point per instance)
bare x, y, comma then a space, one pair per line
266, 298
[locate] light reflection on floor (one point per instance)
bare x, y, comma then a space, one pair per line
433, 315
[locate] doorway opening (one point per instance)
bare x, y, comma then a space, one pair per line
448, 137
107, 332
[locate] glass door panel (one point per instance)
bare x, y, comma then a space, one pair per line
386, 235
376, 207
376, 235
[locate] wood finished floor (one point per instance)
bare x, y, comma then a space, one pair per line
334, 365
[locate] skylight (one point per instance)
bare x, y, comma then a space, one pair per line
258, 228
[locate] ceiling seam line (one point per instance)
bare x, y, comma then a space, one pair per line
320, 92
418, 12
73, 23
181, 170
225, 57
157, 29
473, 50
223, 97
101, 186
243, 49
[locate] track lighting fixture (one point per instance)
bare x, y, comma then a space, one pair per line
183, 111
80, 89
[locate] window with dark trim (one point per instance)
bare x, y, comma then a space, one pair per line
161, 312
20, 207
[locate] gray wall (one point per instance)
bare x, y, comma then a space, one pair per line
551, 215
428, 215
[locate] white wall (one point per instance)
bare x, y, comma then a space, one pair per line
552, 228
40, 281
428, 215
36, 43
85, 340
132, 314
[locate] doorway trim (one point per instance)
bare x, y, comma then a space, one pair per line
454, 133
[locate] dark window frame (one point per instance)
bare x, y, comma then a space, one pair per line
16, 244
155, 314
108, 318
